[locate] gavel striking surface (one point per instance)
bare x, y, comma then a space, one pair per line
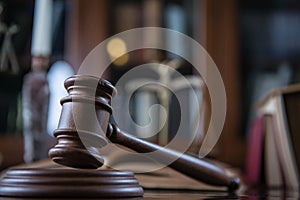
69, 183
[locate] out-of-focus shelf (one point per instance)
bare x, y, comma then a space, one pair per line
11, 150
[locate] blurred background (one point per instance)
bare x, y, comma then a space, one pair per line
254, 43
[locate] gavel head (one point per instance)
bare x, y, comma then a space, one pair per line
83, 122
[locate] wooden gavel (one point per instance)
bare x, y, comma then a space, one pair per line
84, 125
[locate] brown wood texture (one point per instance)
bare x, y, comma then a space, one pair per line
218, 33
76, 125
11, 150
86, 27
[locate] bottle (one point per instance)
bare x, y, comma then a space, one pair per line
35, 110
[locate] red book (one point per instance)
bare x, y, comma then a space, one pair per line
255, 152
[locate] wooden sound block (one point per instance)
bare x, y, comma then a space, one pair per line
69, 183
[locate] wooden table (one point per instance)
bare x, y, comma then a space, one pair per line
155, 188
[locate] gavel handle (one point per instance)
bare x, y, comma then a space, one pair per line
188, 165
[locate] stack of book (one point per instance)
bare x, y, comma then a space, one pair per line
274, 143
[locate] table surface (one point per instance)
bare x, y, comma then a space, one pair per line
194, 191
250, 194
195, 195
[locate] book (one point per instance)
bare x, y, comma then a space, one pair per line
254, 156
272, 169
280, 154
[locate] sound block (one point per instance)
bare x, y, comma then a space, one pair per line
69, 183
